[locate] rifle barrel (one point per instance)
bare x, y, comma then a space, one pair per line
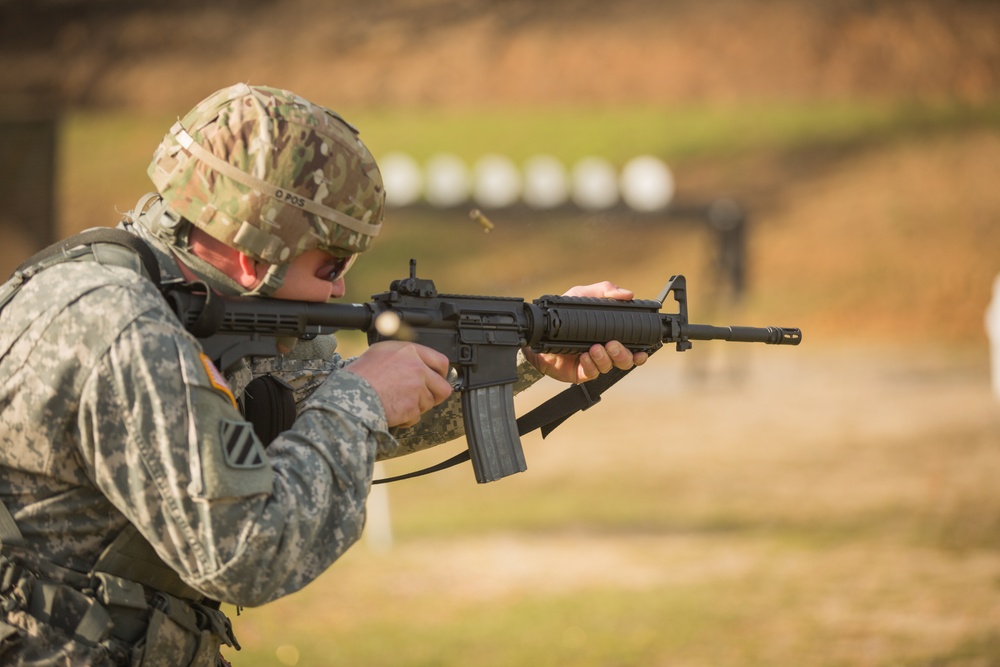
768, 335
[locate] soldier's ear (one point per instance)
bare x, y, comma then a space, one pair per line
247, 271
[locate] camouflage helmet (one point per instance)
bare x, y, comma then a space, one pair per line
270, 174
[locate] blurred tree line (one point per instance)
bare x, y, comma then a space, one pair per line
60, 56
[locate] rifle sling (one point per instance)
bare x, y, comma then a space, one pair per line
568, 402
546, 417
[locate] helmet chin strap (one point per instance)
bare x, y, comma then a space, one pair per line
171, 228
211, 275
175, 231
272, 280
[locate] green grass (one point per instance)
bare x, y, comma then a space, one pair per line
104, 156
610, 628
673, 134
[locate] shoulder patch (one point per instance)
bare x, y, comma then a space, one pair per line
241, 447
215, 377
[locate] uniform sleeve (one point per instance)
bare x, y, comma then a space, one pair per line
304, 370
238, 522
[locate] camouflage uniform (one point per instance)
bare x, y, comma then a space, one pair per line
112, 416
120, 444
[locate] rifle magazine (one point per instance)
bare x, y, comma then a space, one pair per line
491, 430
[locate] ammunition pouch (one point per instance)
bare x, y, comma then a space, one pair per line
106, 615
268, 403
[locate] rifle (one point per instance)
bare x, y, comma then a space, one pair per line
480, 335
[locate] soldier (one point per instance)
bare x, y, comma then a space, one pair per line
135, 494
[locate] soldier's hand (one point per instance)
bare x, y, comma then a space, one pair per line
410, 379
599, 359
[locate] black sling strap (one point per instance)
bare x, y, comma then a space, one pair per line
568, 402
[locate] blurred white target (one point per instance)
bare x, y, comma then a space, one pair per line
647, 183
403, 179
447, 181
496, 182
595, 184
546, 182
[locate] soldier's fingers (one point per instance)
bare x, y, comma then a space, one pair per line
436, 361
622, 357
601, 358
439, 389
587, 369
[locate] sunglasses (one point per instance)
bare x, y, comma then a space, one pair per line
336, 268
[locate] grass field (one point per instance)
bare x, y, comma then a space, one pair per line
834, 504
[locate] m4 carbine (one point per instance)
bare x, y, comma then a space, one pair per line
480, 335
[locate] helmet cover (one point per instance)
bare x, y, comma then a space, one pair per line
270, 174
